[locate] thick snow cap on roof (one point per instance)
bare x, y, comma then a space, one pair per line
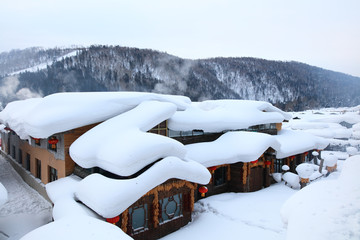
80, 227
62, 193
42, 117
110, 197
296, 142
230, 148
220, 115
121, 144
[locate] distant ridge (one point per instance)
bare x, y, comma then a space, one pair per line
288, 85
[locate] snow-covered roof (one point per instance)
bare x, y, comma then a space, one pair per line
80, 227
296, 142
349, 115
220, 115
121, 144
110, 197
60, 112
231, 147
62, 193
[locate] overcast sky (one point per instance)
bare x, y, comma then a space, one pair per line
324, 33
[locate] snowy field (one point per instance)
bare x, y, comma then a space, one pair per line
25, 209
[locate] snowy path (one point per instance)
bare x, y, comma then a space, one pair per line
25, 209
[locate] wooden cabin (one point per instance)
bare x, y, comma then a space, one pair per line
241, 176
161, 211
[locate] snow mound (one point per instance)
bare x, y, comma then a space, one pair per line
285, 168
351, 151
110, 197
314, 153
220, 115
327, 209
80, 227
330, 160
230, 148
305, 170
292, 180
121, 144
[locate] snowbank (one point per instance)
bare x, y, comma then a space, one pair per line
42, 117
220, 115
351, 151
80, 227
121, 144
327, 209
230, 148
296, 142
3, 195
110, 197
292, 180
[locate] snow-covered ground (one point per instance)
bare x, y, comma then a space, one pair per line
25, 209
253, 215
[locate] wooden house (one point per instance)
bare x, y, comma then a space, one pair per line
238, 161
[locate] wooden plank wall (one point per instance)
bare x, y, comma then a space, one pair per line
69, 138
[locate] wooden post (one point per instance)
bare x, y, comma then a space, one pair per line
304, 182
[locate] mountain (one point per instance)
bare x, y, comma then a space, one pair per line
290, 85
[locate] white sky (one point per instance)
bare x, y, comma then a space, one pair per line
324, 33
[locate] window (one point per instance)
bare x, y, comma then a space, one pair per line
52, 174
27, 162
139, 217
195, 132
38, 168
170, 208
307, 157
220, 176
20, 156
278, 163
13, 152
160, 129
298, 159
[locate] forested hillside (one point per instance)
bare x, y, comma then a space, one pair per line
289, 85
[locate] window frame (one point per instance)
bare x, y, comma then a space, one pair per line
28, 162
38, 168
224, 173
160, 129
146, 208
163, 208
53, 174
